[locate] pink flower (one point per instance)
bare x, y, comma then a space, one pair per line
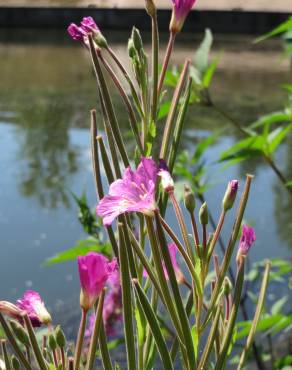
94, 271
135, 192
172, 252
181, 9
33, 305
112, 307
248, 237
80, 33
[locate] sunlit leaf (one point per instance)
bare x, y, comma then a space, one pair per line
276, 137
283, 27
209, 73
202, 54
278, 305
80, 249
275, 117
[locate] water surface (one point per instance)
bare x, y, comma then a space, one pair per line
47, 90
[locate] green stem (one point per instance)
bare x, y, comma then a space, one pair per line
108, 103
127, 301
34, 344
126, 100
105, 160
176, 294
105, 356
94, 154
155, 48
216, 234
172, 111
257, 315
5, 354
154, 326
14, 344
166, 61
230, 248
80, 337
231, 323
184, 254
210, 341
96, 330
162, 280
128, 78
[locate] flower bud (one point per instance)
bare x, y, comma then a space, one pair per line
15, 363
150, 7
166, 179
52, 342
137, 40
19, 332
230, 195
60, 337
131, 49
189, 199
100, 40
227, 286
203, 214
181, 9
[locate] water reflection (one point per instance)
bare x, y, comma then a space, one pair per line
46, 156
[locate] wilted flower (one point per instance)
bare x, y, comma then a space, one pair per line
166, 179
230, 195
247, 238
135, 192
94, 271
33, 305
172, 248
10, 309
181, 9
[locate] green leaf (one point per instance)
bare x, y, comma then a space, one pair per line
277, 306
209, 73
80, 249
276, 137
243, 149
163, 110
283, 27
202, 54
154, 327
204, 144
274, 117
195, 338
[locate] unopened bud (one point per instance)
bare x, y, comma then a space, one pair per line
52, 342
131, 49
15, 363
60, 337
100, 40
227, 286
166, 179
203, 214
137, 40
19, 332
189, 199
150, 7
230, 195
